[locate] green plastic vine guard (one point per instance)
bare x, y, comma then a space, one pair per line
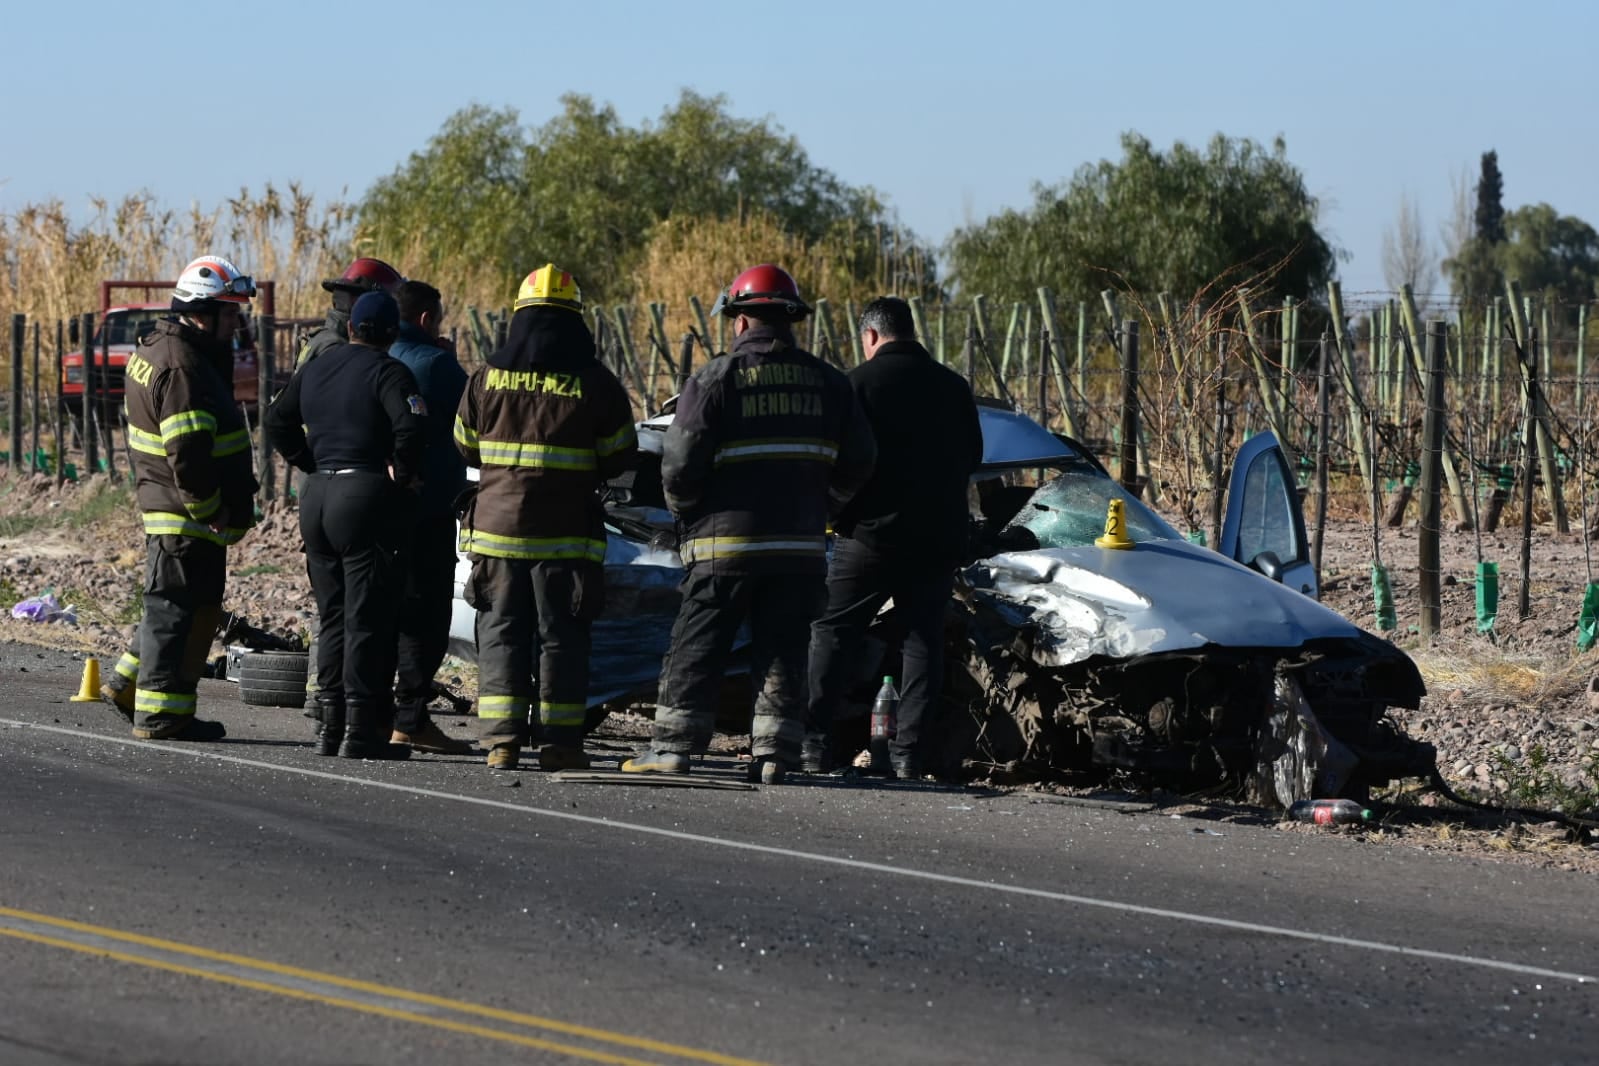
1412, 473
1487, 596
1196, 536
1588, 620
1382, 595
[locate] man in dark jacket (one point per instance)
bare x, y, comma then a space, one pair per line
902, 536
353, 421
429, 565
196, 492
766, 442
547, 424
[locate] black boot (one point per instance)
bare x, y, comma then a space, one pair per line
329, 712
367, 728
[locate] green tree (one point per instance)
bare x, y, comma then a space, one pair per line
1182, 220
585, 190
1551, 254
1474, 270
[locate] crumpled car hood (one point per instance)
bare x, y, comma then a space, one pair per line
1157, 596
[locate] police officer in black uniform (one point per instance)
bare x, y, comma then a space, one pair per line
364, 417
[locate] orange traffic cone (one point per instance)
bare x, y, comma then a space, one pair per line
89, 690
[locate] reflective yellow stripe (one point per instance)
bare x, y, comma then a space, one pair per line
621, 439
205, 508
560, 714
164, 524
503, 706
535, 456
704, 549
149, 702
231, 443
142, 441
128, 666
502, 547
781, 448
465, 435
184, 422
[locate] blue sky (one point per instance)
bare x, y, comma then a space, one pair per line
951, 111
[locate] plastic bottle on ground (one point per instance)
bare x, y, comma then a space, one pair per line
1329, 812
885, 722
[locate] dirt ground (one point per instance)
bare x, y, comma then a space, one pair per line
1508, 710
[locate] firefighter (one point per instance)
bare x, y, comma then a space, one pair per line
361, 276
766, 442
547, 424
423, 620
352, 420
191, 462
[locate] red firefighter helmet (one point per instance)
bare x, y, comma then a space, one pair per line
366, 275
762, 289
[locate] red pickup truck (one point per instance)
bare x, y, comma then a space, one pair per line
117, 331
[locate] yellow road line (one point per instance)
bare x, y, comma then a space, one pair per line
422, 999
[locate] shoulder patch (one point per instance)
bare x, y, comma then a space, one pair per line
417, 404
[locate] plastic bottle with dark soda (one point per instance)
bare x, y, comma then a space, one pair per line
885, 723
1329, 812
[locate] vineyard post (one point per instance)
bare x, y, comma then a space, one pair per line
828, 345
33, 452
705, 327
1582, 351
1270, 399
106, 425
1539, 441
984, 334
19, 338
1050, 324
1457, 491
1043, 380
852, 326
1127, 463
1323, 420
685, 359
1344, 354
91, 447
624, 337
1218, 474
1027, 344
969, 354
1432, 453
1527, 362
61, 406
1011, 329
943, 331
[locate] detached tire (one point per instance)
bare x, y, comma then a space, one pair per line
273, 678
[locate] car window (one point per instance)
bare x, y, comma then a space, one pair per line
1268, 522
1069, 511
128, 327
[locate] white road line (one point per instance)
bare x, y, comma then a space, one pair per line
1118, 906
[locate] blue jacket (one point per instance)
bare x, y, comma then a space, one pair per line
442, 381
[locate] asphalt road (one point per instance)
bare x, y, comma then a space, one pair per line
249, 902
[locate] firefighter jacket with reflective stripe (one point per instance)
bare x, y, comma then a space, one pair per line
546, 424
191, 451
767, 442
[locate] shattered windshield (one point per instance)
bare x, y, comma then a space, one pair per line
1069, 511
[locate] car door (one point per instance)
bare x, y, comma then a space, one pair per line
1265, 524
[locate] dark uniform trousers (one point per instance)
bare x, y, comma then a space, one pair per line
529, 608
859, 582
779, 608
424, 616
353, 524
184, 581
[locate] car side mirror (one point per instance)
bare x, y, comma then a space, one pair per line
1268, 564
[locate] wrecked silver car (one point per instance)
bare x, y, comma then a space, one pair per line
1160, 658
